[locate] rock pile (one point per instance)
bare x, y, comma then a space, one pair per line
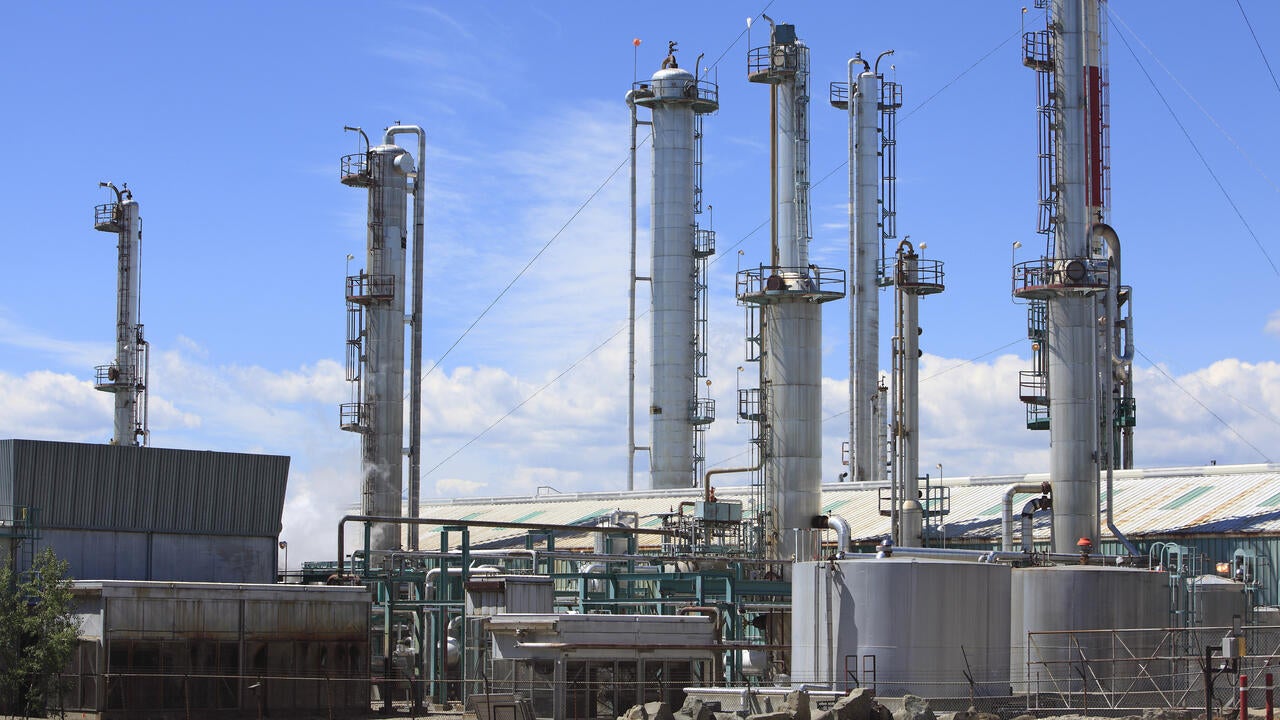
857, 705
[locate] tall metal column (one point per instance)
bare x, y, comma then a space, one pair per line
864, 257
790, 292
1073, 413
126, 376
674, 97
378, 295
913, 277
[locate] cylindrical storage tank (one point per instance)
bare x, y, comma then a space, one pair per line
1101, 623
1216, 600
902, 625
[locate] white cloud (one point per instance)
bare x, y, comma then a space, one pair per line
1273, 324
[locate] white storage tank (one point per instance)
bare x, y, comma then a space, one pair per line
1217, 600
1074, 621
902, 625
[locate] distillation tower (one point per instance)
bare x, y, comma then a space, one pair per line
783, 300
677, 100
126, 376
1080, 313
871, 103
375, 332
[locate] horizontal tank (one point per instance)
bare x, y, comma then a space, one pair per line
1103, 623
902, 625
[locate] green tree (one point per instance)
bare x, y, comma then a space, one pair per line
38, 632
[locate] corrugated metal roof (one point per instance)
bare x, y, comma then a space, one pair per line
1149, 502
113, 487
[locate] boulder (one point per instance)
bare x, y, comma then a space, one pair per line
915, 707
973, 714
694, 709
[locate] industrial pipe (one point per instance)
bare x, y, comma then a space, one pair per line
342, 528
1028, 525
706, 478
415, 347
841, 526
880, 57
1122, 362
992, 556
705, 610
631, 311
1006, 509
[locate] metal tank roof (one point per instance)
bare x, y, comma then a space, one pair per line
117, 487
1152, 502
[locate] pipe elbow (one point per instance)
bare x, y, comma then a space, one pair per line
882, 56
843, 533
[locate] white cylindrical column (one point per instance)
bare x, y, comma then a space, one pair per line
792, 365
672, 271
864, 255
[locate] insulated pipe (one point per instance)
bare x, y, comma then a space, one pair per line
1121, 365
705, 610
415, 347
1108, 234
706, 477
1006, 509
1028, 526
841, 526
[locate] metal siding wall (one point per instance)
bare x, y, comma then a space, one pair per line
130, 488
115, 555
99, 555
7, 471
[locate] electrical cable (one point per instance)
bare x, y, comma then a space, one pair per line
1265, 61
1248, 158
1230, 201
529, 264
525, 401
712, 262
845, 163
566, 224
1215, 415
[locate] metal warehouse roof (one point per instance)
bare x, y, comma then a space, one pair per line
1219, 499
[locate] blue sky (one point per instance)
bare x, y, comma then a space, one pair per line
226, 120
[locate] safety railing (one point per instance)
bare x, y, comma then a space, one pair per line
365, 288
1048, 277
107, 217
704, 94
355, 170
702, 411
353, 416
113, 377
772, 62
704, 243
920, 277
766, 284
